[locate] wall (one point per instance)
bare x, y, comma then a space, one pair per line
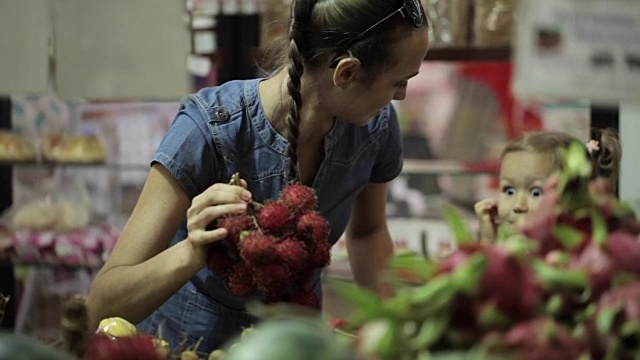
630, 169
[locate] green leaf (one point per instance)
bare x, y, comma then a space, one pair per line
506, 231
418, 265
356, 295
599, 231
387, 347
555, 305
433, 298
614, 349
360, 316
445, 355
606, 319
379, 338
520, 246
466, 277
630, 329
558, 258
576, 163
623, 278
568, 236
427, 293
430, 332
368, 306
400, 304
491, 317
461, 232
585, 315
553, 278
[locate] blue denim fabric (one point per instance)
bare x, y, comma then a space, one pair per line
223, 130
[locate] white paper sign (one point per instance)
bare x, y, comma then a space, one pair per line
581, 49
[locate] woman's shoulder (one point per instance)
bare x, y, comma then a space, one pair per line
222, 100
385, 120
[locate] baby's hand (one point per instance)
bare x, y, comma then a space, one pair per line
487, 212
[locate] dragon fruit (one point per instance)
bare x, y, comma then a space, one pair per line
537, 339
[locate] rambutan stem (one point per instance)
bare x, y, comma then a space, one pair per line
235, 180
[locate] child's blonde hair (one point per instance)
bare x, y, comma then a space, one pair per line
605, 159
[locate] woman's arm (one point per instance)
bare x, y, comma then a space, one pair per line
142, 272
368, 241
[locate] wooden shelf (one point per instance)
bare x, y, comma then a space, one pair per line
448, 167
469, 54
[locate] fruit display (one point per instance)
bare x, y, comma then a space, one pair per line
562, 285
275, 248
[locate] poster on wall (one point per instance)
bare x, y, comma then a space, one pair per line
579, 49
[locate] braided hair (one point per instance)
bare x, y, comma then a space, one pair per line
320, 30
301, 17
606, 158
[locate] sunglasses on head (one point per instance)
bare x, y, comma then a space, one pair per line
410, 9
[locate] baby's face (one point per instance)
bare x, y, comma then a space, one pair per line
522, 177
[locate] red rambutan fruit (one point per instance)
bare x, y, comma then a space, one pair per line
299, 198
306, 297
292, 253
256, 248
219, 259
320, 254
306, 275
313, 227
240, 281
275, 218
236, 224
272, 278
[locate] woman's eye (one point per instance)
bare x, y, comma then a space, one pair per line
508, 190
536, 192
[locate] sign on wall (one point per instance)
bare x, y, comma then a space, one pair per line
580, 49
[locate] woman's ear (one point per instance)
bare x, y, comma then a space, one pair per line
345, 72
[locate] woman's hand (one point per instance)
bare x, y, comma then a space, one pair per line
487, 212
218, 200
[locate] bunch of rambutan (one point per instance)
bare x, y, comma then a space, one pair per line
275, 247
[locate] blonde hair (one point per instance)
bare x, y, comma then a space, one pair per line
605, 160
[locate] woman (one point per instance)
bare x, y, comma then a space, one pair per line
323, 119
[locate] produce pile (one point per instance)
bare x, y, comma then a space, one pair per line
275, 247
564, 285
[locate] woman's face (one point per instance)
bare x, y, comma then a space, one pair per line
364, 100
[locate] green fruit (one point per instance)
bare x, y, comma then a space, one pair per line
290, 339
20, 347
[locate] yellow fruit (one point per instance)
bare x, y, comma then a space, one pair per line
162, 347
216, 355
189, 355
117, 327
246, 332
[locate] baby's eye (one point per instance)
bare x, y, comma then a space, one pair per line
508, 190
536, 191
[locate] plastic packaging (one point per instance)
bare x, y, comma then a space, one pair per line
448, 22
494, 22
